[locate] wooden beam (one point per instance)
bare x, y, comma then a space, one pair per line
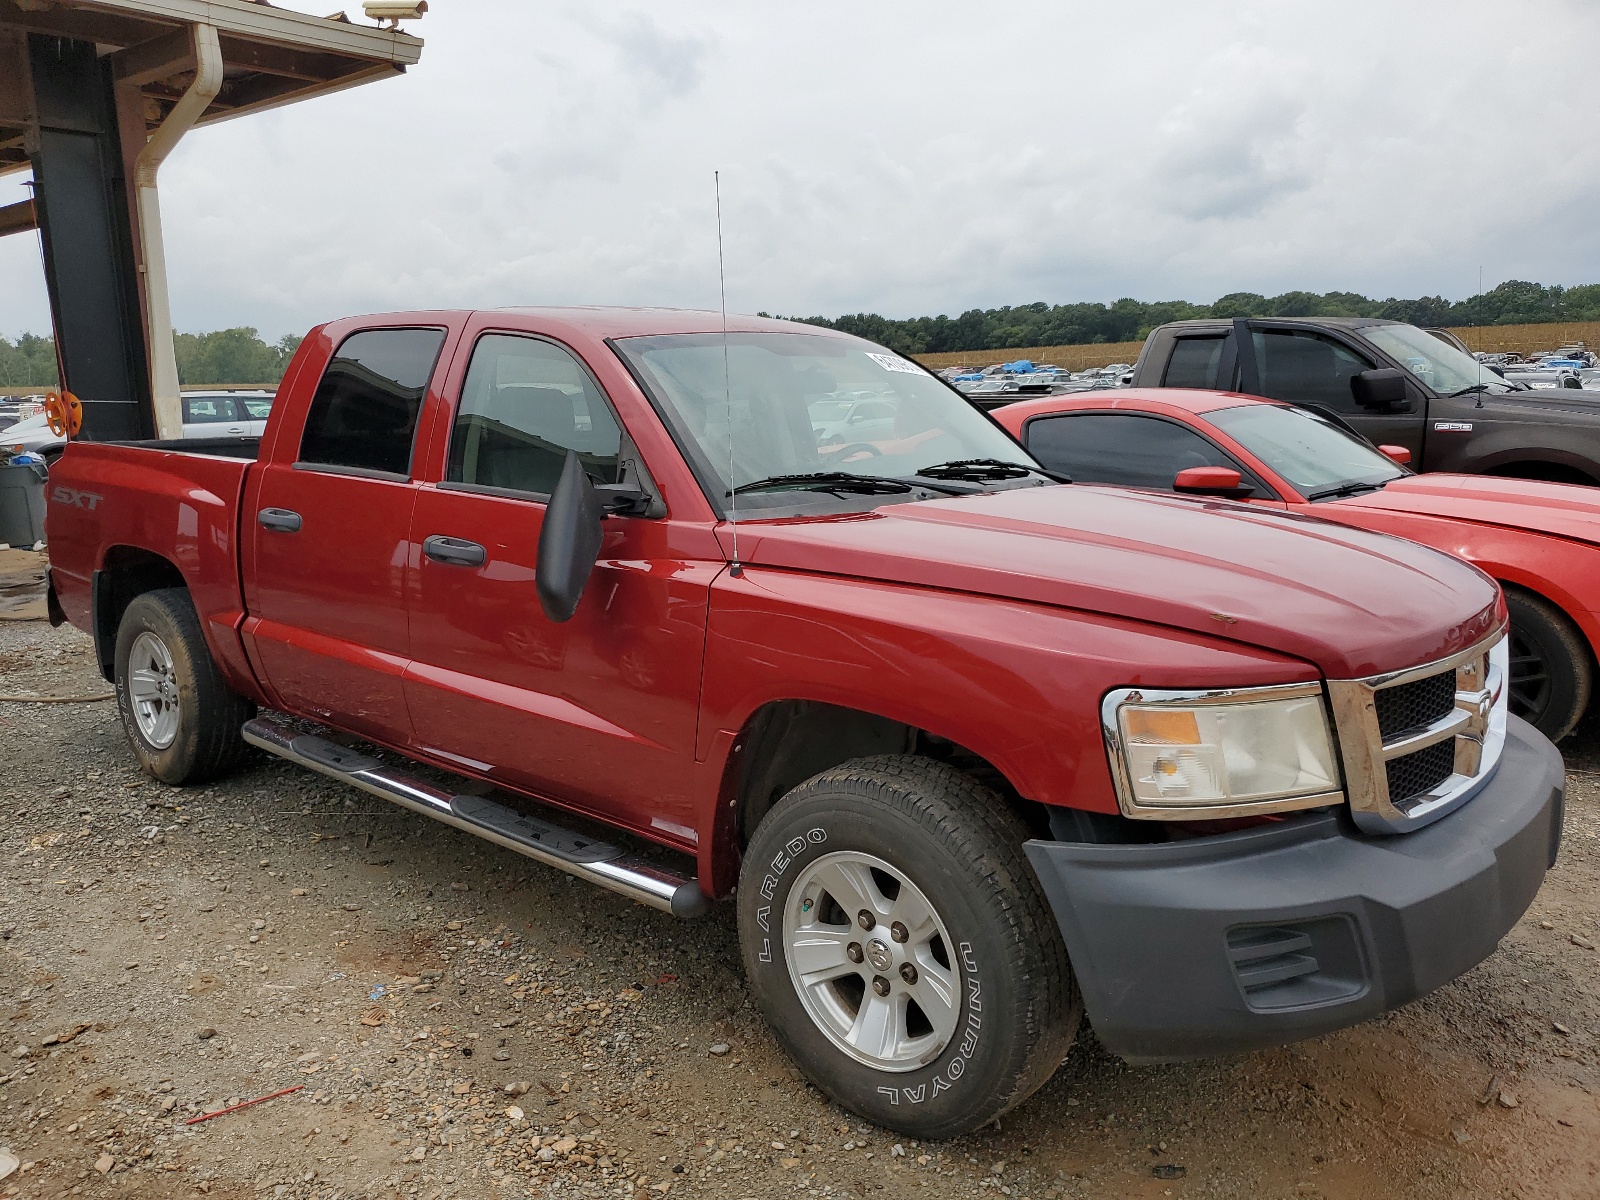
283, 60
156, 59
18, 218
110, 29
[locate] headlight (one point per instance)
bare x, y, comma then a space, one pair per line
1180, 755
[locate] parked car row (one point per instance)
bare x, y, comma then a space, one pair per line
974, 751
218, 414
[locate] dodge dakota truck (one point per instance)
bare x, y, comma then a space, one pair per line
1393, 383
974, 750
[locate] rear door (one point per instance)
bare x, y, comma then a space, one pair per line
597, 712
255, 410
328, 525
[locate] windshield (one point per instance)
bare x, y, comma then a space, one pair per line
801, 404
1309, 451
1437, 363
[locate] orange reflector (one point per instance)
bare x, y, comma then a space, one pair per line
1173, 727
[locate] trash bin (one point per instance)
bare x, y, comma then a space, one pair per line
22, 503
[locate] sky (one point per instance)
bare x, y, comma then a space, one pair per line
906, 157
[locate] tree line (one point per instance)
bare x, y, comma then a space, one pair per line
223, 356
1515, 302
241, 356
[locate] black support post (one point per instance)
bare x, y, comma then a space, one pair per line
81, 196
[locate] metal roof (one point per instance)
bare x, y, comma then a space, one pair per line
271, 56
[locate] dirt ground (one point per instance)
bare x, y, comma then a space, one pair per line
166, 954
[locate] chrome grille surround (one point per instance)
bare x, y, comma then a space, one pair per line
1477, 725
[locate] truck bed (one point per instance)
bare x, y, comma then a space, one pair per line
149, 505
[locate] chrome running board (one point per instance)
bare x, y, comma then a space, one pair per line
599, 862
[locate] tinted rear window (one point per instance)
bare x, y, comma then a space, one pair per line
1194, 363
364, 414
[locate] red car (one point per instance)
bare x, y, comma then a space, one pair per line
1541, 541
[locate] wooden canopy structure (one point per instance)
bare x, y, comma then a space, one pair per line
93, 95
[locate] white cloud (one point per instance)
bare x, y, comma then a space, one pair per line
906, 157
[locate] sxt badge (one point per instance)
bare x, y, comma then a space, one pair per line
84, 500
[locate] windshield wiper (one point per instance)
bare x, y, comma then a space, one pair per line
1470, 388
976, 470
844, 481
1346, 489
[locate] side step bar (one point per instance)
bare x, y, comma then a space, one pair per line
600, 863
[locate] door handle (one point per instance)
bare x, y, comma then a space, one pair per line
455, 552
279, 519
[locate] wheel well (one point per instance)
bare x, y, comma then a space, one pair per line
125, 574
786, 742
1543, 472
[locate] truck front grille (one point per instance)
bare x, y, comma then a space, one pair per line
1416, 774
1417, 743
1415, 705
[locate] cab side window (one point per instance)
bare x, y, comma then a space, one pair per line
1194, 363
1123, 448
524, 404
1307, 369
364, 414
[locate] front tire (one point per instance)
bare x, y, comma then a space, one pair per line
901, 948
182, 720
1552, 673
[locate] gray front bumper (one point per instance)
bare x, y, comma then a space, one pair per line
1269, 935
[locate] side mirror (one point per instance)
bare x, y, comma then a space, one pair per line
1384, 388
569, 542
1211, 481
1571, 381
1396, 454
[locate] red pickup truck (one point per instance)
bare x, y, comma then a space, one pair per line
974, 750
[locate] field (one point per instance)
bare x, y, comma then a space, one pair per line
1074, 358
1496, 339
1528, 339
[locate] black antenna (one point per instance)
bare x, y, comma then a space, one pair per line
1477, 304
735, 568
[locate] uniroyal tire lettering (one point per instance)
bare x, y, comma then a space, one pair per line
764, 918
769, 885
957, 1066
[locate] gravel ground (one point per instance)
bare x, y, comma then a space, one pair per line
463, 1023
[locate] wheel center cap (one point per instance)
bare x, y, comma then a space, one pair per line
879, 955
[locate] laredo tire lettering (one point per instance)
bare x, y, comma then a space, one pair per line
769, 884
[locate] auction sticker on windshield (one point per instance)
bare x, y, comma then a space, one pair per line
890, 363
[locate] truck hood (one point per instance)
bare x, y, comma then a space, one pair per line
1353, 603
1566, 510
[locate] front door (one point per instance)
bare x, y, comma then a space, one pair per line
597, 712
329, 534
1314, 370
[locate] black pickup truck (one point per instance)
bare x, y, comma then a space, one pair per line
1395, 383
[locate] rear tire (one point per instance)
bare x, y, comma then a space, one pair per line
1552, 671
182, 720
901, 948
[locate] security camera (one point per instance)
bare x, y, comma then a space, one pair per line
383, 10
